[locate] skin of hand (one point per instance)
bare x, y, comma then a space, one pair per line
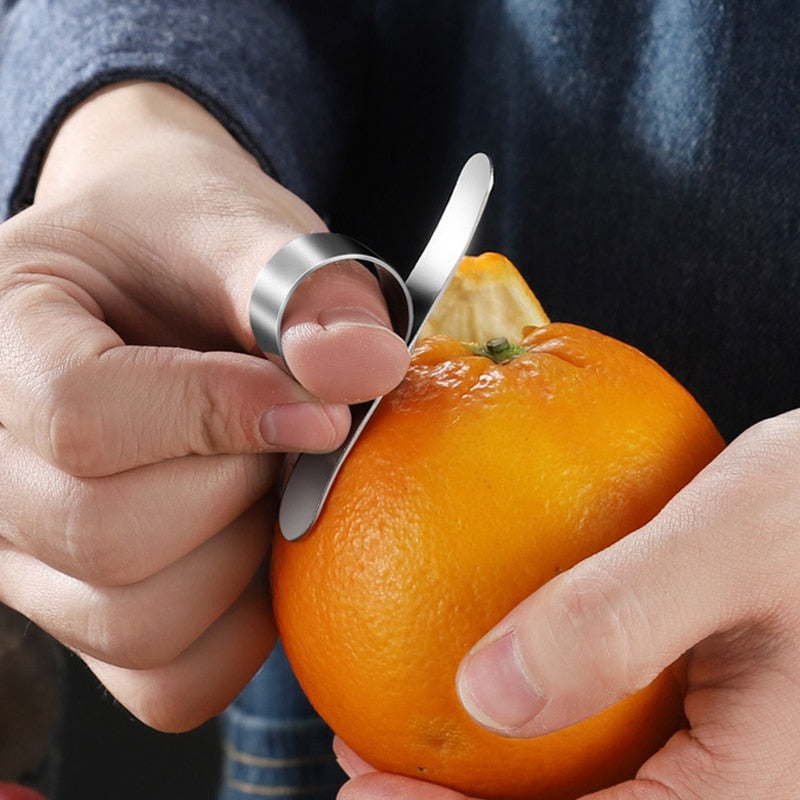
714, 575
140, 431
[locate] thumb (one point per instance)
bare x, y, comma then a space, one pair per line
338, 338
607, 627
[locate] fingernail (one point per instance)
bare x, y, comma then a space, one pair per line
350, 316
298, 427
351, 763
494, 688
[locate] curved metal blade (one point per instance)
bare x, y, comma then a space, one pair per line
313, 474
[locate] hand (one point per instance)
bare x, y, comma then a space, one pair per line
139, 433
714, 574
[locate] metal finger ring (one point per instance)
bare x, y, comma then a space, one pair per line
295, 261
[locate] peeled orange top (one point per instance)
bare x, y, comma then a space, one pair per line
475, 483
486, 299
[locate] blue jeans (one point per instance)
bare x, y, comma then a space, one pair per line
274, 743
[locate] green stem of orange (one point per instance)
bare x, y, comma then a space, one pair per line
498, 349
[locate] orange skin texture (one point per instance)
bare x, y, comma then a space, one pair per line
473, 485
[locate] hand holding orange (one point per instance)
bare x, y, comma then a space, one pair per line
490, 469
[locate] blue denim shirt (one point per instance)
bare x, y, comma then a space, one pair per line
647, 157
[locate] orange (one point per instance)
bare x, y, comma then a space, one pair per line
475, 483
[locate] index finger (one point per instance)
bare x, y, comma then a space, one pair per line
82, 399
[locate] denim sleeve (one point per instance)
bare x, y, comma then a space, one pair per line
281, 75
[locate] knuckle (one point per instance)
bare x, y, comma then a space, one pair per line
223, 415
75, 440
213, 424
757, 487
109, 635
767, 454
598, 618
126, 636
98, 550
694, 775
93, 560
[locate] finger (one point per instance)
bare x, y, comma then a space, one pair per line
607, 627
92, 406
121, 529
742, 707
338, 339
366, 783
383, 786
350, 762
644, 790
743, 757
206, 677
683, 770
150, 622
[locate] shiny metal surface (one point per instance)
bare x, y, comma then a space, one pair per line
296, 261
409, 306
